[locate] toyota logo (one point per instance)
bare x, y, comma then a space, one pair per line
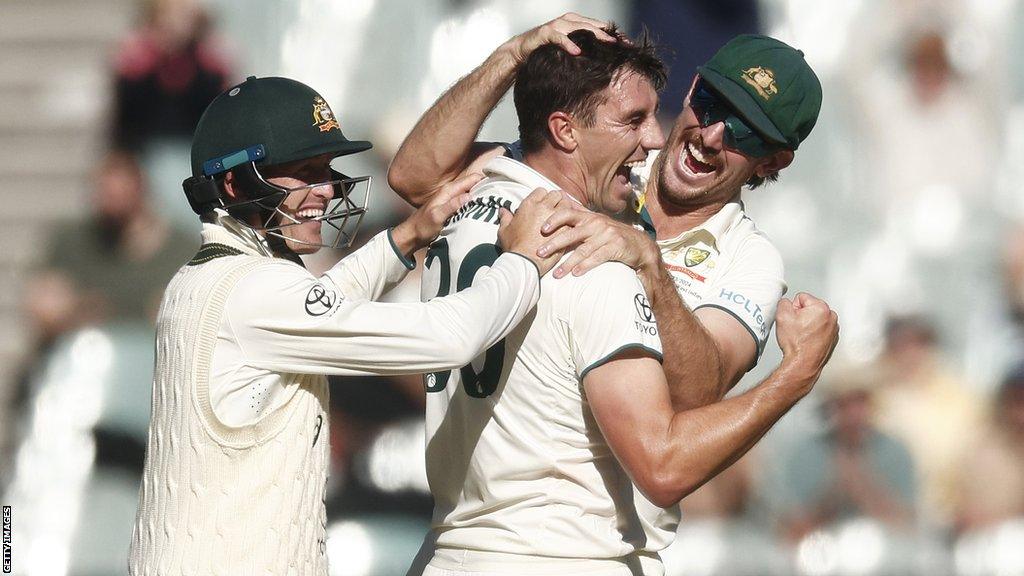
643, 308
319, 300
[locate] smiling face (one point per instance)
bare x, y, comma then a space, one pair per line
301, 232
623, 131
697, 169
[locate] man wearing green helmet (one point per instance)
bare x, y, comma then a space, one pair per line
237, 456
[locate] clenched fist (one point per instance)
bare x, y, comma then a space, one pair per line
807, 331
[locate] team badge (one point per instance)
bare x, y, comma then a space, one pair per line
323, 116
695, 256
762, 79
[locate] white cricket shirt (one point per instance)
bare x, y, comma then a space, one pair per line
515, 460
725, 263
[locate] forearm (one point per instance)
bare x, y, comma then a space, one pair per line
439, 147
693, 368
702, 442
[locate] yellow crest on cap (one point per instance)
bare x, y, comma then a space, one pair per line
762, 79
323, 116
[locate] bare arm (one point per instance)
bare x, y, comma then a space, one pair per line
706, 352
670, 454
441, 145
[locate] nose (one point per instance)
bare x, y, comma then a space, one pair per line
325, 191
653, 138
713, 136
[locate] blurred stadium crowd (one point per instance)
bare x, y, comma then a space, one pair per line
905, 210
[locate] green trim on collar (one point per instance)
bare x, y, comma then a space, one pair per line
212, 250
409, 264
646, 223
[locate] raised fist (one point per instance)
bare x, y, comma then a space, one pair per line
807, 331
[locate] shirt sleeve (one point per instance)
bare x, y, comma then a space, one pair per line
750, 290
285, 319
610, 314
370, 271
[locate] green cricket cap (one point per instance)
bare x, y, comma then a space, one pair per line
769, 84
271, 120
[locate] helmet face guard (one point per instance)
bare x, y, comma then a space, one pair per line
340, 220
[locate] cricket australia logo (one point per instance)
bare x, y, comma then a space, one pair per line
319, 300
695, 256
762, 79
322, 115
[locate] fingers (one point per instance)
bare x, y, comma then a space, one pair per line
505, 219
568, 45
543, 197
564, 216
557, 31
803, 300
784, 310
593, 260
451, 197
585, 23
462, 184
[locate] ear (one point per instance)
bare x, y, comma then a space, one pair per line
774, 163
229, 185
562, 132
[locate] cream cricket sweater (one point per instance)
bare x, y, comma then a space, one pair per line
246, 499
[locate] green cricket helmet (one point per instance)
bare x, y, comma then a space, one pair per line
265, 122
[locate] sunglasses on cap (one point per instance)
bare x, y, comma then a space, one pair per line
710, 108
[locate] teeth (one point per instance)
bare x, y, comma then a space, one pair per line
310, 213
696, 154
635, 164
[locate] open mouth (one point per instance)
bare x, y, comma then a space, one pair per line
309, 213
696, 162
628, 167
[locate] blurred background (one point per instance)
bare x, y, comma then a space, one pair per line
904, 209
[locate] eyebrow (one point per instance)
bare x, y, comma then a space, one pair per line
638, 114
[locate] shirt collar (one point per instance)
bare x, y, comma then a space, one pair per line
716, 227
509, 169
230, 232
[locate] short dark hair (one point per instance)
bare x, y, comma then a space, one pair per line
551, 79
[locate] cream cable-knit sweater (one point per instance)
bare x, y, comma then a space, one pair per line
220, 500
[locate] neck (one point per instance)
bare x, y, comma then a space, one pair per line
671, 220
561, 171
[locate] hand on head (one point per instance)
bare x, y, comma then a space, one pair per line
557, 32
